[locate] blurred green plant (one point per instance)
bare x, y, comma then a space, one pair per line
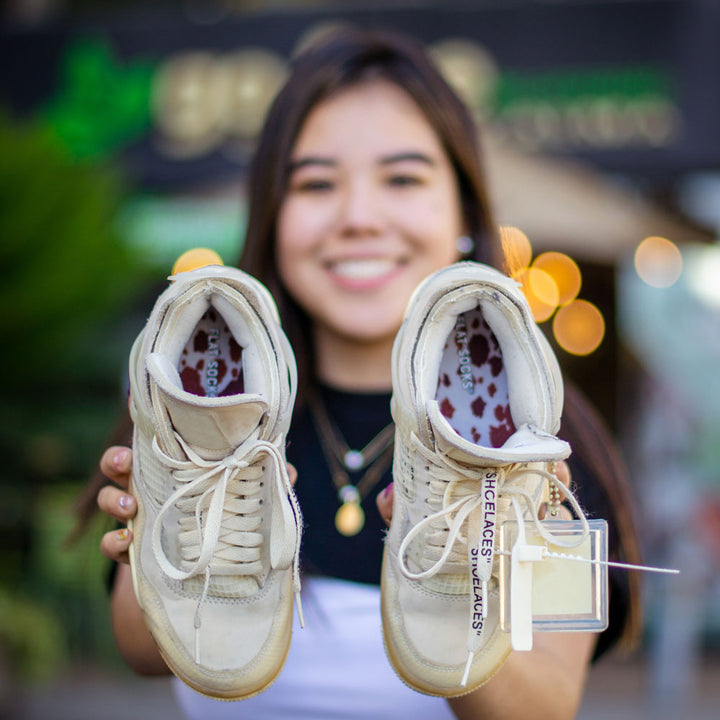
68, 285
63, 265
31, 636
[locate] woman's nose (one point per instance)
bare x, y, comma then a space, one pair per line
360, 213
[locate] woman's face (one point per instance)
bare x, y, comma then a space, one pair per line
372, 207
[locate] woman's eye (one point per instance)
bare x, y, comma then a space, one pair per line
403, 180
314, 186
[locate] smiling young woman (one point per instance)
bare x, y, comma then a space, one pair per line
366, 175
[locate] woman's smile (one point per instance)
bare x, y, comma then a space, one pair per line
363, 273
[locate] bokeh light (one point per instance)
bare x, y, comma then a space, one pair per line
196, 258
579, 327
516, 249
702, 273
541, 292
470, 69
658, 262
564, 271
250, 80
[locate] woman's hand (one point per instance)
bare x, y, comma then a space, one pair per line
116, 502
385, 504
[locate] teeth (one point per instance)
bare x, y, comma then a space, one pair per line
363, 269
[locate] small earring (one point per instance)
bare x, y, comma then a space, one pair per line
465, 245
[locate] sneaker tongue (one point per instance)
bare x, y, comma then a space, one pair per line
213, 427
525, 445
450, 443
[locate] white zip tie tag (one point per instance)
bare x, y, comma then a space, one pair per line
541, 591
622, 566
521, 609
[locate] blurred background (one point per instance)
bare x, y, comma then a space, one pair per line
125, 132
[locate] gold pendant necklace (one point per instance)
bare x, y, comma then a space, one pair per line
350, 517
375, 456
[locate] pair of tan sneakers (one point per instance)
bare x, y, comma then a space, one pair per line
477, 396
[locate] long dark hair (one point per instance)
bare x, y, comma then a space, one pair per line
340, 61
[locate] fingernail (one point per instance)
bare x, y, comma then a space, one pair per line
387, 490
125, 501
123, 534
120, 459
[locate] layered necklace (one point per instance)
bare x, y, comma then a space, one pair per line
374, 458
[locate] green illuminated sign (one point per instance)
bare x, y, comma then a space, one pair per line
102, 104
209, 100
568, 86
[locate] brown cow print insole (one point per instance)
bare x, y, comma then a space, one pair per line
211, 362
472, 388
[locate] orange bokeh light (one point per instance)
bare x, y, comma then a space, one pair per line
516, 249
579, 327
541, 292
564, 271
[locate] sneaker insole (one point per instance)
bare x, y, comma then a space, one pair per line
472, 388
211, 362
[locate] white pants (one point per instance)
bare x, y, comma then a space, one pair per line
336, 668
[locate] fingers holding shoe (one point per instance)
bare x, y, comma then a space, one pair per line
385, 504
114, 545
562, 472
116, 502
116, 464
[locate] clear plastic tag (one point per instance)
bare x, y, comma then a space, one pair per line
559, 592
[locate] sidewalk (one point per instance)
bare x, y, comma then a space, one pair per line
617, 690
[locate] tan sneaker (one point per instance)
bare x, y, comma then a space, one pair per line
216, 538
477, 397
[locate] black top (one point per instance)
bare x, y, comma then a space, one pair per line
359, 417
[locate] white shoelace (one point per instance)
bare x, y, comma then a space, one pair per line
220, 503
478, 492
